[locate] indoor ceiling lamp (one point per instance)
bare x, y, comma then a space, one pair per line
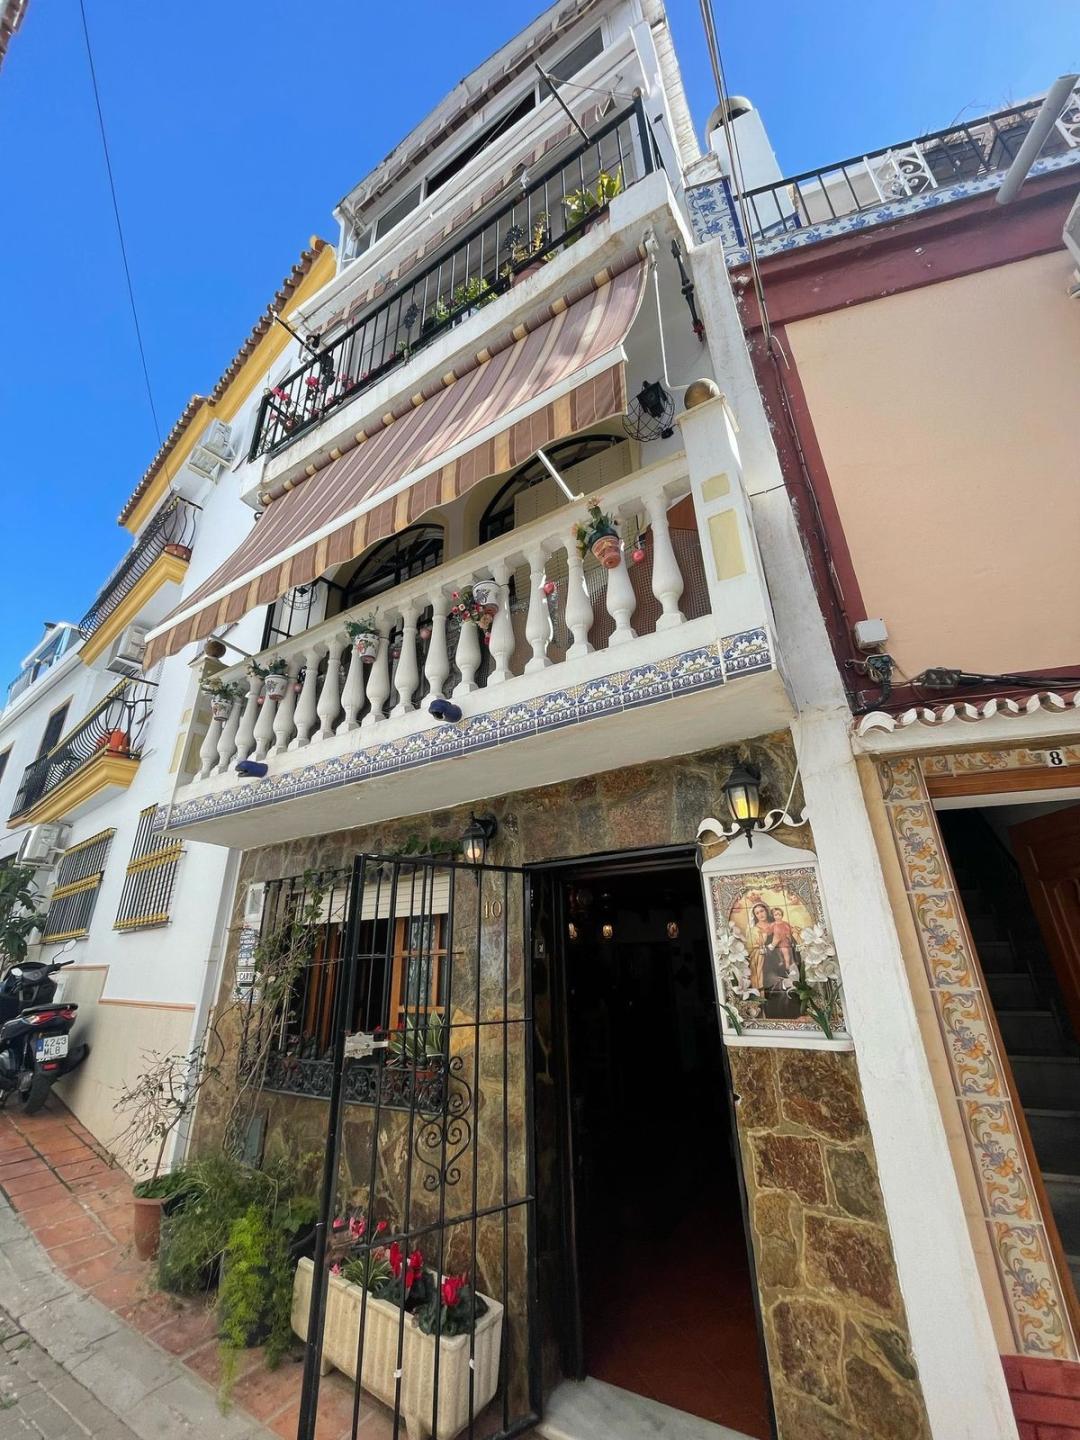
478, 835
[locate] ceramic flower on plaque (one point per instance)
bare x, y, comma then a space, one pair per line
733, 966
818, 984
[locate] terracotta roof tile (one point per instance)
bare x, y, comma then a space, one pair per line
294, 278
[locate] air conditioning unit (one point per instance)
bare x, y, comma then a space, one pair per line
128, 650
214, 449
42, 843
1071, 236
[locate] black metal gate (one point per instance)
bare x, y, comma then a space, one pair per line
423, 1281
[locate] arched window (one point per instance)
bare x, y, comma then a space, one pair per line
391, 563
498, 518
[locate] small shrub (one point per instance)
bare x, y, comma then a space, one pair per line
255, 1297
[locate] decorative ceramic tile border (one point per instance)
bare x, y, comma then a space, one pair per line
1039, 1316
985, 762
714, 215
703, 668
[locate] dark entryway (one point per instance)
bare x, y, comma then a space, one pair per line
656, 1230
1018, 871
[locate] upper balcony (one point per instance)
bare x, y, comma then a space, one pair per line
99, 755
967, 159
160, 555
550, 212
576, 668
59, 641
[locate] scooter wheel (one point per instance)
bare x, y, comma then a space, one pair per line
33, 1098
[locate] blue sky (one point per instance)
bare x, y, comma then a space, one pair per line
234, 129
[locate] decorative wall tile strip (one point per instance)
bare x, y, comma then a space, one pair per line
1039, 1316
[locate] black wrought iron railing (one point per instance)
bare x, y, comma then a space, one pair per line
866, 182
550, 212
171, 530
115, 726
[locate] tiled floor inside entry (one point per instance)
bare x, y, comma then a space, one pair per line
79, 1208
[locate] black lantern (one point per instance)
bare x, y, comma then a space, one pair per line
743, 795
650, 413
477, 837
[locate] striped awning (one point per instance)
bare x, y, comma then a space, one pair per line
560, 371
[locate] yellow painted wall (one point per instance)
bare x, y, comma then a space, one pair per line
949, 421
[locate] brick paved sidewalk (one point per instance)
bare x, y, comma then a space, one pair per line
77, 1206
39, 1400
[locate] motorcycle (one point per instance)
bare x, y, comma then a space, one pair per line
35, 1050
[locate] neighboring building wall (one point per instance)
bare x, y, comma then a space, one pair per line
948, 419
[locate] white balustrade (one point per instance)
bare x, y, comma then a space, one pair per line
335, 701
407, 674
667, 580
227, 744
329, 706
245, 731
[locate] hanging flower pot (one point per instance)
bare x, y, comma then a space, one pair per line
486, 596
275, 685
607, 549
117, 742
182, 552
220, 707
599, 534
364, 636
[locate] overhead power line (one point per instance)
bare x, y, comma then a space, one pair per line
119, 226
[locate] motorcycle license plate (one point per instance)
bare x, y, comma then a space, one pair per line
52, 1047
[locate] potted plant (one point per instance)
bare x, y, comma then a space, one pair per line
429, 1311
420, 1044
460, 303
525, 249
583, 207
599, 534
254, 1304
364, 634
276, 678
223, 695
467, 605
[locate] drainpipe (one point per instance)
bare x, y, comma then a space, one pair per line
1052, 107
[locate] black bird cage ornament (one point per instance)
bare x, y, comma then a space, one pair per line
650, 413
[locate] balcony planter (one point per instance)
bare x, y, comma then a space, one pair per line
182, 552
341, 1339
275, 685
486, 596
220, 707
116, 742
600, 534
365, 637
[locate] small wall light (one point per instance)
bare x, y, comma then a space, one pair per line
673, 929
743, 795
607, 930
478, 835
571, 930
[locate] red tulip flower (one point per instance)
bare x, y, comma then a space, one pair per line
395, 1258
451, 1289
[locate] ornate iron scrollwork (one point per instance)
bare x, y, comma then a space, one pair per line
446, 1129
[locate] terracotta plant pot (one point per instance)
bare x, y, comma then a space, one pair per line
117, 742
274, 686
146, 1225
607, 550
182, 552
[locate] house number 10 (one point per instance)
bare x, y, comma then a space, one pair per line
493, 909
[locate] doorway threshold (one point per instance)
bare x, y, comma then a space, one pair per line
593, 1410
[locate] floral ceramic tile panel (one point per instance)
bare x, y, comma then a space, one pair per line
916, 835
1000, 1159
970, 1043
942, 938
1031, 1283
900, 779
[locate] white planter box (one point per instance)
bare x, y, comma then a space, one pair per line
341, 1335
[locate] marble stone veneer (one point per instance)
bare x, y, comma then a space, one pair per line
840, 1362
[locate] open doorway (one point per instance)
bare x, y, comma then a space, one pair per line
1017, 868
660, 1272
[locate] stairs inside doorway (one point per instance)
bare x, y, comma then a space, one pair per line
1035, 1027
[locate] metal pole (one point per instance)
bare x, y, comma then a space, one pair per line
1034, 140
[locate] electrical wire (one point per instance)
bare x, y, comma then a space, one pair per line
119, 226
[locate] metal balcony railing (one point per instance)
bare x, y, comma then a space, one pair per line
115, 726
914, 167
173, 530
522, 235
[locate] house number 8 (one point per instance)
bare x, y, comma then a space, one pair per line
493, 909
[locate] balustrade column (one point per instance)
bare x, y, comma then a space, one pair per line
208, 750
329, 707
245, 731
538, 620
306, 707
467, 657
621, 602
227, 744
283, 720
579, 611
378, 686
352, 696
264, 726
667, 580
437, 664
502, 628
407, 675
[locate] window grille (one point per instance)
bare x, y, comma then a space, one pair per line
151, 872
78, 880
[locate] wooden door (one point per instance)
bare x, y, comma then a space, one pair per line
1048, 853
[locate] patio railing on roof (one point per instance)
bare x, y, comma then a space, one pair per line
485, 263
960, 153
